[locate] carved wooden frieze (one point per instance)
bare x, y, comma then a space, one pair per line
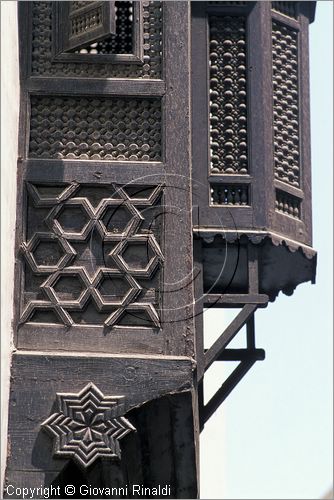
228, 97
92, 255
95, 128
88, 425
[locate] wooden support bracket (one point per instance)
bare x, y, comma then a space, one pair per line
249, 303
226, 388
217, 348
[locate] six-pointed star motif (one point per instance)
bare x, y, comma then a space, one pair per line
89, 425
93, 218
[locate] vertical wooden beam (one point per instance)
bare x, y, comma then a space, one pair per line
198, 310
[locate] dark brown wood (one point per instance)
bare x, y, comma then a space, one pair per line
242, 355
37, 377
227, 387
63, 46
288, 21
89, 86
95, 21
63, 201
289, 189
174, 157
234, 300
198, 292
260, 112
305, 117
139, 205
250, 333
253, 269
219, 345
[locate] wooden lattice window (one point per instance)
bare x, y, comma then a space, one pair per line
85, 22
93, 31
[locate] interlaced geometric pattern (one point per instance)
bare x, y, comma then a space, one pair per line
92, 255
121, 43
228, 97
95, 128
42, 63
285, 103
88, 426
83, 22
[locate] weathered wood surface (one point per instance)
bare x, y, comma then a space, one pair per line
227, 387
161, 452
263, 159
86, 86
161, 105
37, 377
234, 327
234, 300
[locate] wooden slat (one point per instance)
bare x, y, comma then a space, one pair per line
216, 349
227, 387
288, 21
250, 333
253, 269
230, 178
44, 170
198, 291
91, 86
283, 186
242, 355
234, 300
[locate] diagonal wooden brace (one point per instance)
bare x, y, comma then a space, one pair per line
217, 348
227, 387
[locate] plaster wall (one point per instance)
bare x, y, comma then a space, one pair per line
10, 98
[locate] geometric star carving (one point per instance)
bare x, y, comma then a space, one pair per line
88, 425
90, 279
94, 218
28, 249
150, 242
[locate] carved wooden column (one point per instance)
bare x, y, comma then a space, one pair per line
102, 387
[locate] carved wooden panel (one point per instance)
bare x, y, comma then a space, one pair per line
88, 425
286, 103
228, 95
138, 42
95, 128
92, 255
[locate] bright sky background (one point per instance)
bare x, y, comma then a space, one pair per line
272, 438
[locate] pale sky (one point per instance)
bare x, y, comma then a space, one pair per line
272, 438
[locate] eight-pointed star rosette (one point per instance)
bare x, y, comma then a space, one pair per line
89, 425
